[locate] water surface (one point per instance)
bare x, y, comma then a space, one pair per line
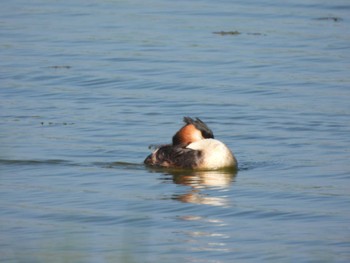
87, 86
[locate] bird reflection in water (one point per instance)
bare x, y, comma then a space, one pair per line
201, 180
205, 188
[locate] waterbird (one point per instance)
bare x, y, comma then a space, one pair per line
193, 147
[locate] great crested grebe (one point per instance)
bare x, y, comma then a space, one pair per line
193, 147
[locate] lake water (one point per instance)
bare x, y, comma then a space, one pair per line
87, 86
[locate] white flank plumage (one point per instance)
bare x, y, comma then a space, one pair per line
216, 154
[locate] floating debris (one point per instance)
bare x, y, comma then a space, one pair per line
55, 123
60, 67
330, 18
256, 34
225, 33
234, 33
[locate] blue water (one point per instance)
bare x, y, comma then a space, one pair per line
87, 86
